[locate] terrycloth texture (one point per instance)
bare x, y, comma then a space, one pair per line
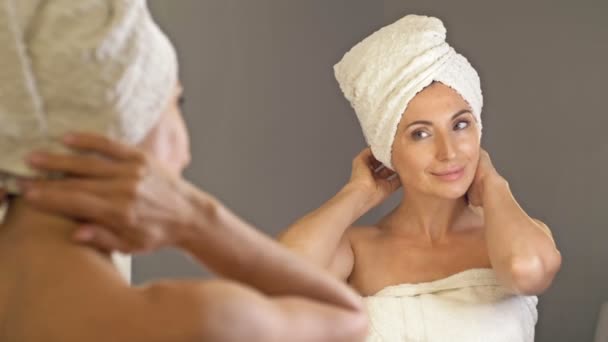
380, 75
101, 66
470, 306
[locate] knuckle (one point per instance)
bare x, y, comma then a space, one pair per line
140, 170
126, 216
140, 157
132, 190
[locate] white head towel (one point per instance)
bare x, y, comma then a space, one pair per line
101, 66
380, 75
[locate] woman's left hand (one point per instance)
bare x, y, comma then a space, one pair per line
484, 174
126, 199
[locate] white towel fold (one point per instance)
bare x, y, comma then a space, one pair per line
470, 306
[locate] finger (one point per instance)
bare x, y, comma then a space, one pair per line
79, 165
103, 145
93, 187
101, 238
375, 164
484, 154
364, 155
384, 172
365, 152
75, 204
395, 183
366, 158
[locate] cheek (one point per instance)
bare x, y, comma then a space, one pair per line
470, 150
469, 146
167, 141
177, 142
412, 163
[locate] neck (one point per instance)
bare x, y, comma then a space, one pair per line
23, 220
426, 217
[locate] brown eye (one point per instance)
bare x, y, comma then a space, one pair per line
419, 135
181, 101
460, 125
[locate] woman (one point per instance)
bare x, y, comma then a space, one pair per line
105, 67
457, 259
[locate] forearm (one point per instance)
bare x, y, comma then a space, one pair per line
521, 250
317, 235
233, 249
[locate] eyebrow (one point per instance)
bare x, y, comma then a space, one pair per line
424, 122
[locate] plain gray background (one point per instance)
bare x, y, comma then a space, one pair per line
273, 138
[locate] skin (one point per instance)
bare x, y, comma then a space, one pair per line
441, 227
54, 289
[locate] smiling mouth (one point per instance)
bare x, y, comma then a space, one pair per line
450, 175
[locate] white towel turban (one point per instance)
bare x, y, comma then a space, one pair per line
100, 66
380, 75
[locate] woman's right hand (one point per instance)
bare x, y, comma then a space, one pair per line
376, 180
127, 200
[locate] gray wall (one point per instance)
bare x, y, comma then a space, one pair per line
273, 138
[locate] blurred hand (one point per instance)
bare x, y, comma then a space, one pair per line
376, 180
127, 200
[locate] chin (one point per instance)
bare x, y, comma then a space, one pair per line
452, 194
452, 191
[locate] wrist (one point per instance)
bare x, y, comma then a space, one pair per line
494, 183
360, 195
202, 213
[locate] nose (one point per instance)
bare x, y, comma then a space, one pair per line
445, 148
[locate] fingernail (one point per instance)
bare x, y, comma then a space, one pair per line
84, 234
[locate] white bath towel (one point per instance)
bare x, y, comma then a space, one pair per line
470, 306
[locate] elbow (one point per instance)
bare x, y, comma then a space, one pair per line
533, 275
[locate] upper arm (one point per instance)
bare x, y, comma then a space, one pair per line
221, 310
343, 261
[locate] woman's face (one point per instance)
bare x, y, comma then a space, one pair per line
168, 140
436, 148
